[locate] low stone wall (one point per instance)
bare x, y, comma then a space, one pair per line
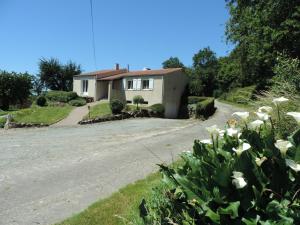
24, 125
124, 115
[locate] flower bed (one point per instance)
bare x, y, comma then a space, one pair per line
244, 174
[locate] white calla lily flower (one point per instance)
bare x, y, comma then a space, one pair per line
256, 124
265, 109
296, 116
221, 132
243, 147
212, 129
238, 180
262, 116
283, 146
232, 132
206, 141
242, 115
293, 165
260, 161
277, 101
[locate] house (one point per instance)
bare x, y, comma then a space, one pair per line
164, 86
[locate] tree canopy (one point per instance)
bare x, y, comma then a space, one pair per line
261, 30
57, 76
14, 88
172, 62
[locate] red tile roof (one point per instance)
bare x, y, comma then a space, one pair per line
142, 73
103, 73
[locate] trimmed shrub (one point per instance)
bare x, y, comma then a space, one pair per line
138, 100
195, 99
205, 108
78, 102
116, 106
41, 101
61, 96
158, 109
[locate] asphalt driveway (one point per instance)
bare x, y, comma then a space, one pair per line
48, 174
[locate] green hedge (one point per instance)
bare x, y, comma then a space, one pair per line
205, 108
78, 102
158, 108
61, 96
195, 99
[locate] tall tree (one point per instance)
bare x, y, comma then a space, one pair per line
57, 76
261, 30
172, 62
14, 88
205, 65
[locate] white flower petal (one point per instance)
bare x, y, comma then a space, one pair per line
279, 100
242, 115
206, 141
256, 124
260, 161
232, 132
243, 147
265, 109
238, 180
293, 165
283, 146
296, 116
262, 116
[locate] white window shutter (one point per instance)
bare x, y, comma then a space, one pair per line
124, 84
134, 84
151, 83
139, 81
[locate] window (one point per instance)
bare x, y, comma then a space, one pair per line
85, 85
145, 84
130, 84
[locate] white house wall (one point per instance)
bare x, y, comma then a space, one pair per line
152, 96
77, 85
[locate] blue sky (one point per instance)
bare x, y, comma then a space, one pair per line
141, 33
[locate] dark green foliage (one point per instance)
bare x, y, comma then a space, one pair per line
158, 109
240, 95
14, 88
41, 101
172, 62
205, 108
77, 102
61, 96
261, 30
56, 76
195, 99
138, 100
116, 106
202, 75
203, 190
287, 70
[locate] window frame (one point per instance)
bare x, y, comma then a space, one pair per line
127, 86
85, 86
146, 80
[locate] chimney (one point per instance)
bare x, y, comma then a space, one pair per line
117, 66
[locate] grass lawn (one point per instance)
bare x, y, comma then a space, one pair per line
119, 208
46, 115
102, 109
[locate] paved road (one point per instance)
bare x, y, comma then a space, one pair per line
48, 174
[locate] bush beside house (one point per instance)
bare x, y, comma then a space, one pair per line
201, 107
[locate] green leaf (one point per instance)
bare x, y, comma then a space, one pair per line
232, 210
213, 216
296, 137
251, 221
